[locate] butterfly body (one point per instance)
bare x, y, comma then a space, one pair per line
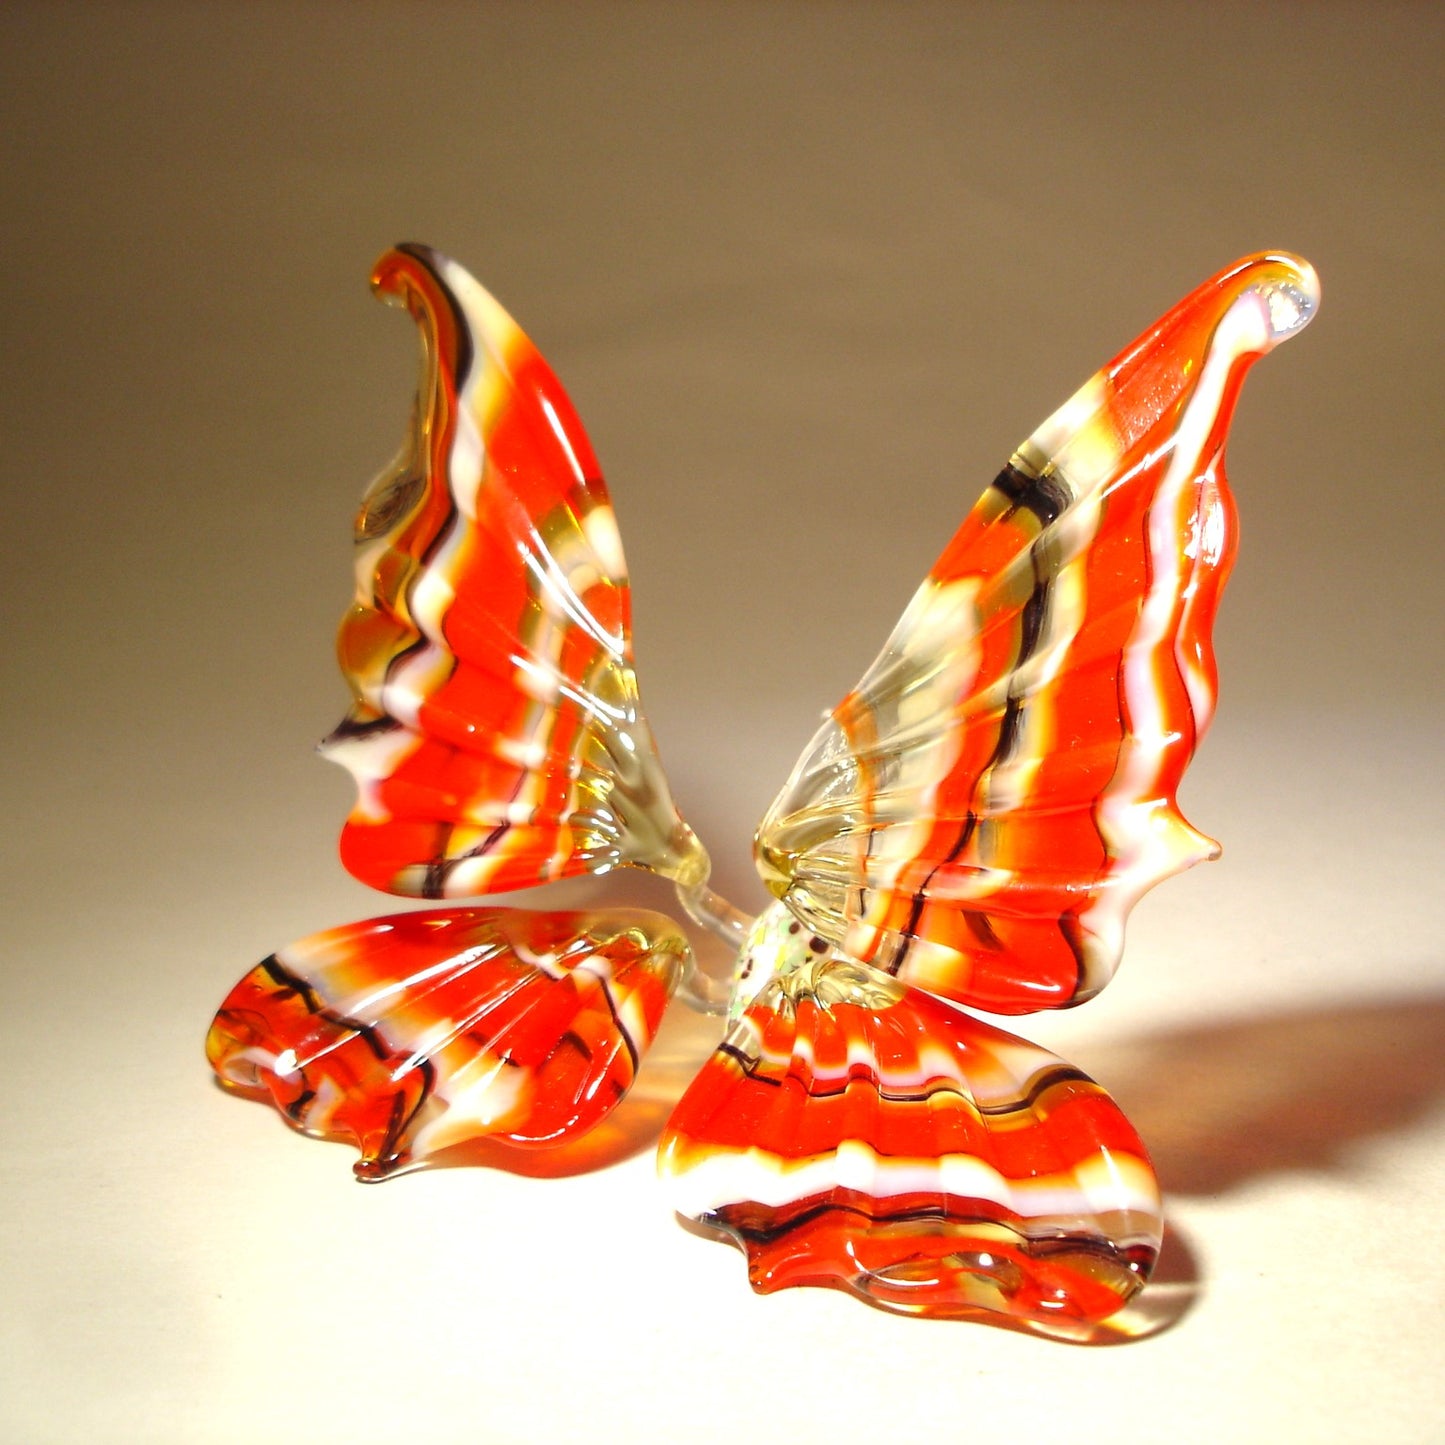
968, 830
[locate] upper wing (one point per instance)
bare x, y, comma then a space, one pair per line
981, 812
495, 735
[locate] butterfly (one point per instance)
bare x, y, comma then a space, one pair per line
968, 830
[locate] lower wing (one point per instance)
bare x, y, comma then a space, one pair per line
856, 1133
410, 1034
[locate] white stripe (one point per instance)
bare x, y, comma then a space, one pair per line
1146, 839
1107, 1183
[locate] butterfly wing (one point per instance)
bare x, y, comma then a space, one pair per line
979, 815
410, 1034
496, 735
856, 1133
497, 741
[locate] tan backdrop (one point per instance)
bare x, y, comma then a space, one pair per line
809, 273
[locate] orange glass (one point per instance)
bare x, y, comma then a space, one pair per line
970, 827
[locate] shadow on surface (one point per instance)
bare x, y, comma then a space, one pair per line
1217, 1105
1230, 1101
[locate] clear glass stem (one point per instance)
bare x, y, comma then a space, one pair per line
709, 989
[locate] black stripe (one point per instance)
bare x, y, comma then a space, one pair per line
1138, 1258
1041, 1083
293, 983
621, 1028
440, 868
401, 1118
1046, 497
354, 729
431, 260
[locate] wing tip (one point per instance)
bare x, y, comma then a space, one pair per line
1289, 287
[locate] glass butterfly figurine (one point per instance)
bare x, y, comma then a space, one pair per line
969, 828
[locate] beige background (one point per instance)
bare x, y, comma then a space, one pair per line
809, 272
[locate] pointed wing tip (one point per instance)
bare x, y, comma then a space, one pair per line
1289, 287
396, 260
1284, 287
1191, 847
412, 265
